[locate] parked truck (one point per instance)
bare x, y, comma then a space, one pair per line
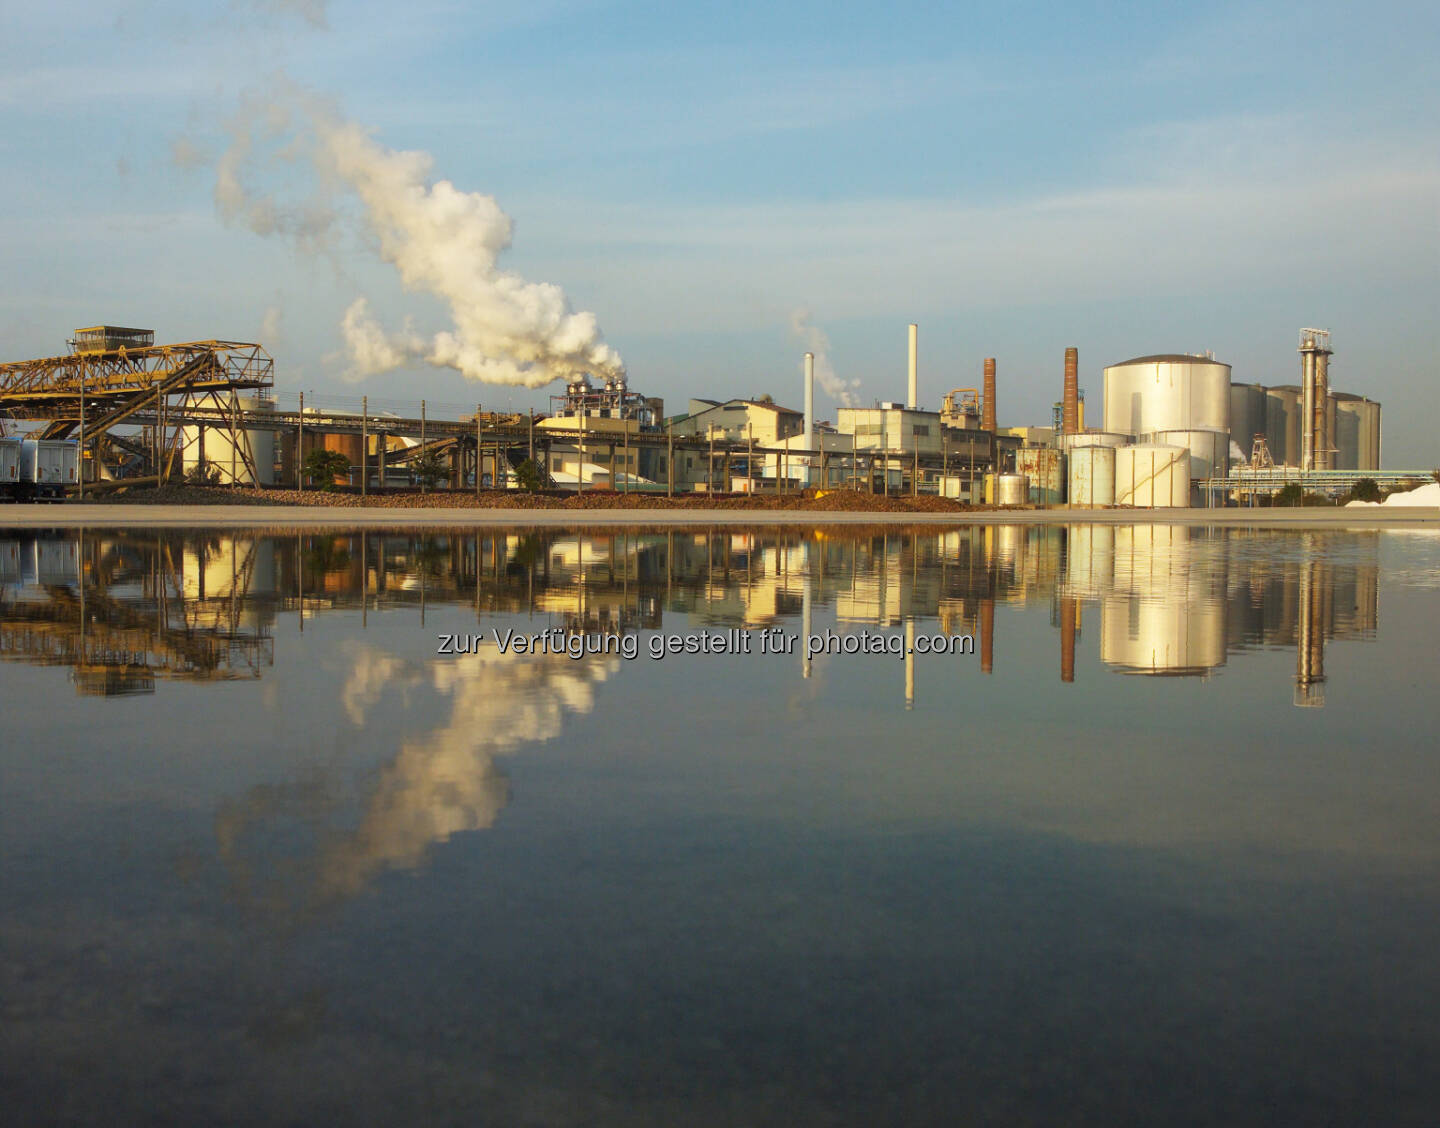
40, 470
9, 467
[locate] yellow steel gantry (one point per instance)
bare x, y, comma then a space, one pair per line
118, 382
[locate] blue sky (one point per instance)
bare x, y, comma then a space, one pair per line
1128, 179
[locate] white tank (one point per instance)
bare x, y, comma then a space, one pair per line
1209, 450
1152, 476
1096, 438
1012, 489
1171, 392
1091, 477
227, 458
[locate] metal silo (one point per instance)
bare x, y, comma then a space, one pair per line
1282, 424
1209, 450
1247, 416
1091, 478
1169, 392
251, 445
1012, 489
1357, 432
1045, 467
1094, 439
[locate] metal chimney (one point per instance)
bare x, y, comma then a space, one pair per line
1071, 415
987, 407
809, 435
914, 366
1314, 388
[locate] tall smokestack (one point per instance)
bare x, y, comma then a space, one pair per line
914, 366
1323, 457
809, 438
987, 409
1071, 415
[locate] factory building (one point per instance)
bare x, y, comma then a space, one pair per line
892, 427
739, 420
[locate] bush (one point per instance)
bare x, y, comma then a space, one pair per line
429, 468
202, 474
1365, 489
1289, 494
531, 476
324, 466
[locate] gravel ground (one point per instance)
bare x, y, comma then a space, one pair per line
837, 501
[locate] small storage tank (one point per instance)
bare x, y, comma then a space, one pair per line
1012, 489
1095, 438
1152, 475
1209, 450
1045, 467
1091, 477
228, 458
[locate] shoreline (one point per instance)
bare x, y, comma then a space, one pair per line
117, 516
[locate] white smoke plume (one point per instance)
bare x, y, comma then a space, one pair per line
442, 241
815, 341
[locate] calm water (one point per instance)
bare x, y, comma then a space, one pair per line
1157, 842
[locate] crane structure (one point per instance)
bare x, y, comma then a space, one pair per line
114, 375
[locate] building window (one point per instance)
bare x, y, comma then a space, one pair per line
556, 463
920, 430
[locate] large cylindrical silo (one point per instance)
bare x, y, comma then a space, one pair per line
1094, 439
1169, 392
1283, 411
1247, 416
229, 456
1209, 450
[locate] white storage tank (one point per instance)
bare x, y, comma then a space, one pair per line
1209, 450
1012, 489
228, 458
1152, 475
1095, 438
1169, 392
1091, 477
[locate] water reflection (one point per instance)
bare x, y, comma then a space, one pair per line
320, 867
1169, 600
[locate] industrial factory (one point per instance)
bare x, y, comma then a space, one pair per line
1174, 431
